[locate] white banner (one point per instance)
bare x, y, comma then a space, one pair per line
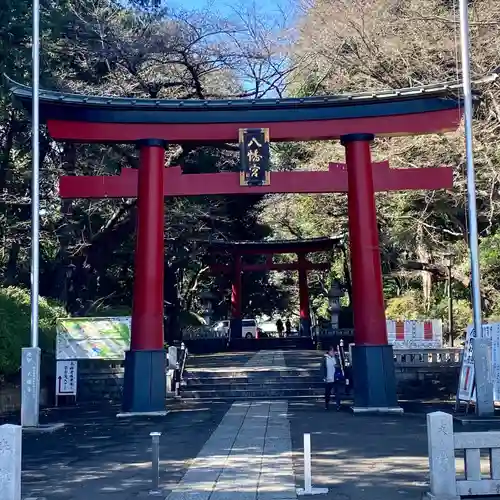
66, 378
466, 381
415, 334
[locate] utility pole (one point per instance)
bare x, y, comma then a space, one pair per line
30, 359
484, 385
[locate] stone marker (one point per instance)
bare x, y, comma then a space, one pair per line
172, 357
441, 456
30, 386
10, 462
484, 377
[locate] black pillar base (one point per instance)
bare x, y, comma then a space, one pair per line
144, 384
236, 328
374, 379
305, 327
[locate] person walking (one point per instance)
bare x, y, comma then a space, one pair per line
332, 377
279, 327
288, 327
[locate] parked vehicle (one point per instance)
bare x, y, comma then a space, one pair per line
249, 329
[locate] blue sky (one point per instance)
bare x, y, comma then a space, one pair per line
226, 7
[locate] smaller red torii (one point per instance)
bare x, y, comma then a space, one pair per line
302, 265
333, 180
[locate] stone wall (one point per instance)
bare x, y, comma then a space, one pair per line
10, 398
427, 383
100, 380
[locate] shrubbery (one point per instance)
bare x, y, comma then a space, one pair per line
15, 319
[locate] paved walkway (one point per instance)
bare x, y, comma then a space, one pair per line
248, 457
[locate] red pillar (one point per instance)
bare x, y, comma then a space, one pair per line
147, 310
367, 288
144, 390
236, 298
305, 317
372, 359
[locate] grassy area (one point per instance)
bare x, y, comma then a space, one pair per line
15, 319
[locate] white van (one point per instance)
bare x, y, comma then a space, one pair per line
249, 329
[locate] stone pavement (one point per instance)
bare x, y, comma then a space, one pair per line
99, 457
251, 450
361, 457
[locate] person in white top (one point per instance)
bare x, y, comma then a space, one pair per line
332, 376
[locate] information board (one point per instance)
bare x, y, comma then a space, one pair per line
466, 381
93, 338
66, 377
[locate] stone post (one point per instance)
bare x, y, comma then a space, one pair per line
441, 456
484, 376
334, 295
10, 462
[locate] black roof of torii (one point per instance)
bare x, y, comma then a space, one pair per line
67, 106
278, 246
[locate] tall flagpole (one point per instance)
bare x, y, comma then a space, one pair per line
35, 180
484, 387
30, 364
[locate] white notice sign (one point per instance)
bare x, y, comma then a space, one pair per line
66, 375
466, 390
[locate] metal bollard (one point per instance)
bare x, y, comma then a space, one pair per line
308, 488
155, 462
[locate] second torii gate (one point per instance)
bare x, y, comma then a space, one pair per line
238, 249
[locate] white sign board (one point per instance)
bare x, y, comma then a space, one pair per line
466, 381
415, 334
66, 377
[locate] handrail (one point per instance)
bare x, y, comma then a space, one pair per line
184, 356
447, 356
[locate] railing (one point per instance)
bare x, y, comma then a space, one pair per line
445, 483
201, 332
320, 332
449, 357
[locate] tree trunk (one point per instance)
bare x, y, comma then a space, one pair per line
424, 256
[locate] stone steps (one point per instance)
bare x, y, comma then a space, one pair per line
229, 386
201, 381
275, 393
255, 374
264, 376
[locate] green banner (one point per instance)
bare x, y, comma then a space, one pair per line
93, 338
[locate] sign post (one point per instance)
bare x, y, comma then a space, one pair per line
66, 378
482, 349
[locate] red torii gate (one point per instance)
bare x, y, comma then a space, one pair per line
333, 180
238, 249
151, 123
